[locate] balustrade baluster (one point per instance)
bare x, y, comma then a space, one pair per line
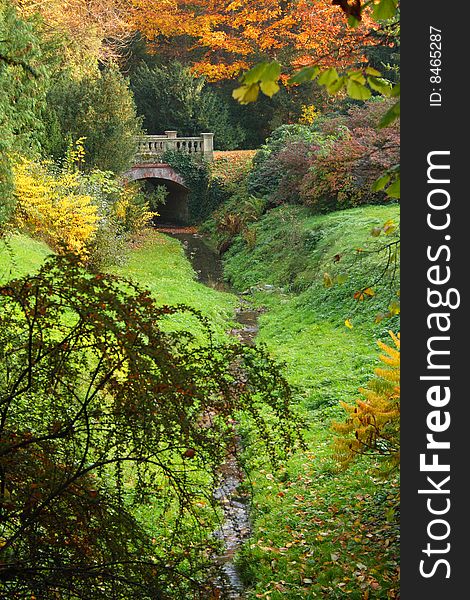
151, 148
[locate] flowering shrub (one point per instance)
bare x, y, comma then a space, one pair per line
52, 206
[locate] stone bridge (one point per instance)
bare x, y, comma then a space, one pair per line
150, 169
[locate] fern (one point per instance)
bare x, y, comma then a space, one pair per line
372, 426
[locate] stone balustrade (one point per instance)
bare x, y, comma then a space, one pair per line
150, 148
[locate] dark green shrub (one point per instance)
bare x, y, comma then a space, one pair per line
99, 108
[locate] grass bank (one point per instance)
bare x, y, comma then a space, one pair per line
158, 263
20, 255
319, 532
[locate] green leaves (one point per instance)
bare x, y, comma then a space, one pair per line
269, 88
357, 90
385, 9
392, 177
380, 85
328, 77
305, 74
359, 84
264, 77
394, 190
391, 114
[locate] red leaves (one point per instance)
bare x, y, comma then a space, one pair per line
189, 453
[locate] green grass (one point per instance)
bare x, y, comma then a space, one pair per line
319, 532
20, 255
294, 249
158, 263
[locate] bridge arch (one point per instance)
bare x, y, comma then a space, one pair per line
176, 210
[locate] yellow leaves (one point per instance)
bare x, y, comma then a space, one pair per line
246, 93
327, 280
309, 114
51, 206
348, 324
363, 294
372, 424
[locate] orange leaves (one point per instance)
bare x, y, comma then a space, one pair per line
363, 294
233, 33
230, 166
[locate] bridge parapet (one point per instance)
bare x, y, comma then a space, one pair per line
150, 148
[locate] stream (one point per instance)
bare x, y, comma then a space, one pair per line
236, 527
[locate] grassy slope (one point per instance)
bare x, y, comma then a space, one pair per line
20, 255
159, 264
313, 526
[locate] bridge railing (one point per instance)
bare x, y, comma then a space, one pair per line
150, 148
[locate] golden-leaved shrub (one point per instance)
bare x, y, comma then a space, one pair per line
52, 206
373, 422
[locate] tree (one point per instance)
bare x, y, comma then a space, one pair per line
89, 31
99, 108
230, 36
23, 84
170, 97
105, 406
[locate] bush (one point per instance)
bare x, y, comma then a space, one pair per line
329, 165
99, 108
231, 168
267, 172
343, 172
372, 426
89, 214
51, 206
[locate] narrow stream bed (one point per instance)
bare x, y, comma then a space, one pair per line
236, 527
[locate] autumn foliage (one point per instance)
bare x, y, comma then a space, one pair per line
228, 37
99, 408
89, 29
52, 206
232, 165
373, 423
